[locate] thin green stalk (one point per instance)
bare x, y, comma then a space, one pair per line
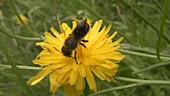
4, 66
18, 16
13, 65
152, 67
155, 82
115, 88
166, 7
145, 50
138, 82
143, 54
21, 37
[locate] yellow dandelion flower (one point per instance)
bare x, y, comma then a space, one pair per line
99, 59
23, 17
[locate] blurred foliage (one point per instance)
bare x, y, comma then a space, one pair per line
138, 21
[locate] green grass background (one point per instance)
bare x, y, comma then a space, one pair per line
143, 23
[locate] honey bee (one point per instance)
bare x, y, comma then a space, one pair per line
75, 38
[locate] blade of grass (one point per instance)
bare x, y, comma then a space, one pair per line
138, 82
158, 82
143, 54
166, 7
4, 66
152, 67
115, 88
13, 65
21, 37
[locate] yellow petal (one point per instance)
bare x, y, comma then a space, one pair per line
101, 36
54, 48
53, 85
53, 77
65, 77
117, 41
98, 73
71, 91
117, 56
57, 34
110, 65
74, 24
109, 79
34, 80
54, 41
97, 39
80, 84
82, 70
67, 29
106, 71
94, 30
73, 77
75, 66
53, 89
24, 19
65, 69
112, 36
103, 33
90, 79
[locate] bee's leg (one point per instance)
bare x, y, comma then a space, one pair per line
84, 40
75, 53
82, 45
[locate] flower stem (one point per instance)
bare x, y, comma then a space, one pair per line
143, 54
138, 82
158, 82
13, 66
166, 7
4, 66
22, 37
152, 67
115, 88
